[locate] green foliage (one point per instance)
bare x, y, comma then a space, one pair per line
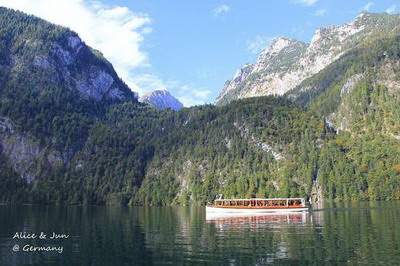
13, 189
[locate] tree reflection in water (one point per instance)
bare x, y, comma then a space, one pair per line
351, 233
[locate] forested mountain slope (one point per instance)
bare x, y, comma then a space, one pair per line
60, 143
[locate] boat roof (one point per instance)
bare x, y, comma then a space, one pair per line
263, 199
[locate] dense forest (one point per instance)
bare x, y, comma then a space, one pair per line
58, 145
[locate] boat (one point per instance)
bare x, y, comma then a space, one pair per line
256, 206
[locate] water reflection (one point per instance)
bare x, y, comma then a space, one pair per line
351, 233
224, 221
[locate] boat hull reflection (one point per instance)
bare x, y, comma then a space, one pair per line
262, 218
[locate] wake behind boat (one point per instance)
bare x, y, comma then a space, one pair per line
257, 206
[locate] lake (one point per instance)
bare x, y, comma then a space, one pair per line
341, 234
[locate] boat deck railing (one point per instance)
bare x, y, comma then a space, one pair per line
295, 202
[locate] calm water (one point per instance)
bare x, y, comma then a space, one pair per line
355, 233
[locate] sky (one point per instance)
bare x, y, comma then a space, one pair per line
191, 47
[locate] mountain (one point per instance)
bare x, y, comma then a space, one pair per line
265, 76
334, 135
54, 56
53, 88
286, 63
161, 99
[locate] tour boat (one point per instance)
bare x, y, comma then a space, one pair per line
257, 206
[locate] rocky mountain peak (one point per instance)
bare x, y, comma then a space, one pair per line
334, 35
161, 99
277, 45
285, 63
274, 59
365, 18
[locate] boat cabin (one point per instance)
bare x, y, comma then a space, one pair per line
260, 203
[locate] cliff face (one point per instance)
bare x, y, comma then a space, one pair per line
271, 74
286, 63
48, 76
25, 153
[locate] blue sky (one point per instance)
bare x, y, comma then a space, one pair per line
191, 47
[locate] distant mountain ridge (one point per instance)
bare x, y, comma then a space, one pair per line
286, 63
161, 99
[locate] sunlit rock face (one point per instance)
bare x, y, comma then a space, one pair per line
84, 69
286, 63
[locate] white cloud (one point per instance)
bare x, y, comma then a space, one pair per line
192, 100
114, 30
118, 33
392, 9
221, 10
199, 93
257, 44
320, 12
306, 2
148, 82
188, 94
367, 7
